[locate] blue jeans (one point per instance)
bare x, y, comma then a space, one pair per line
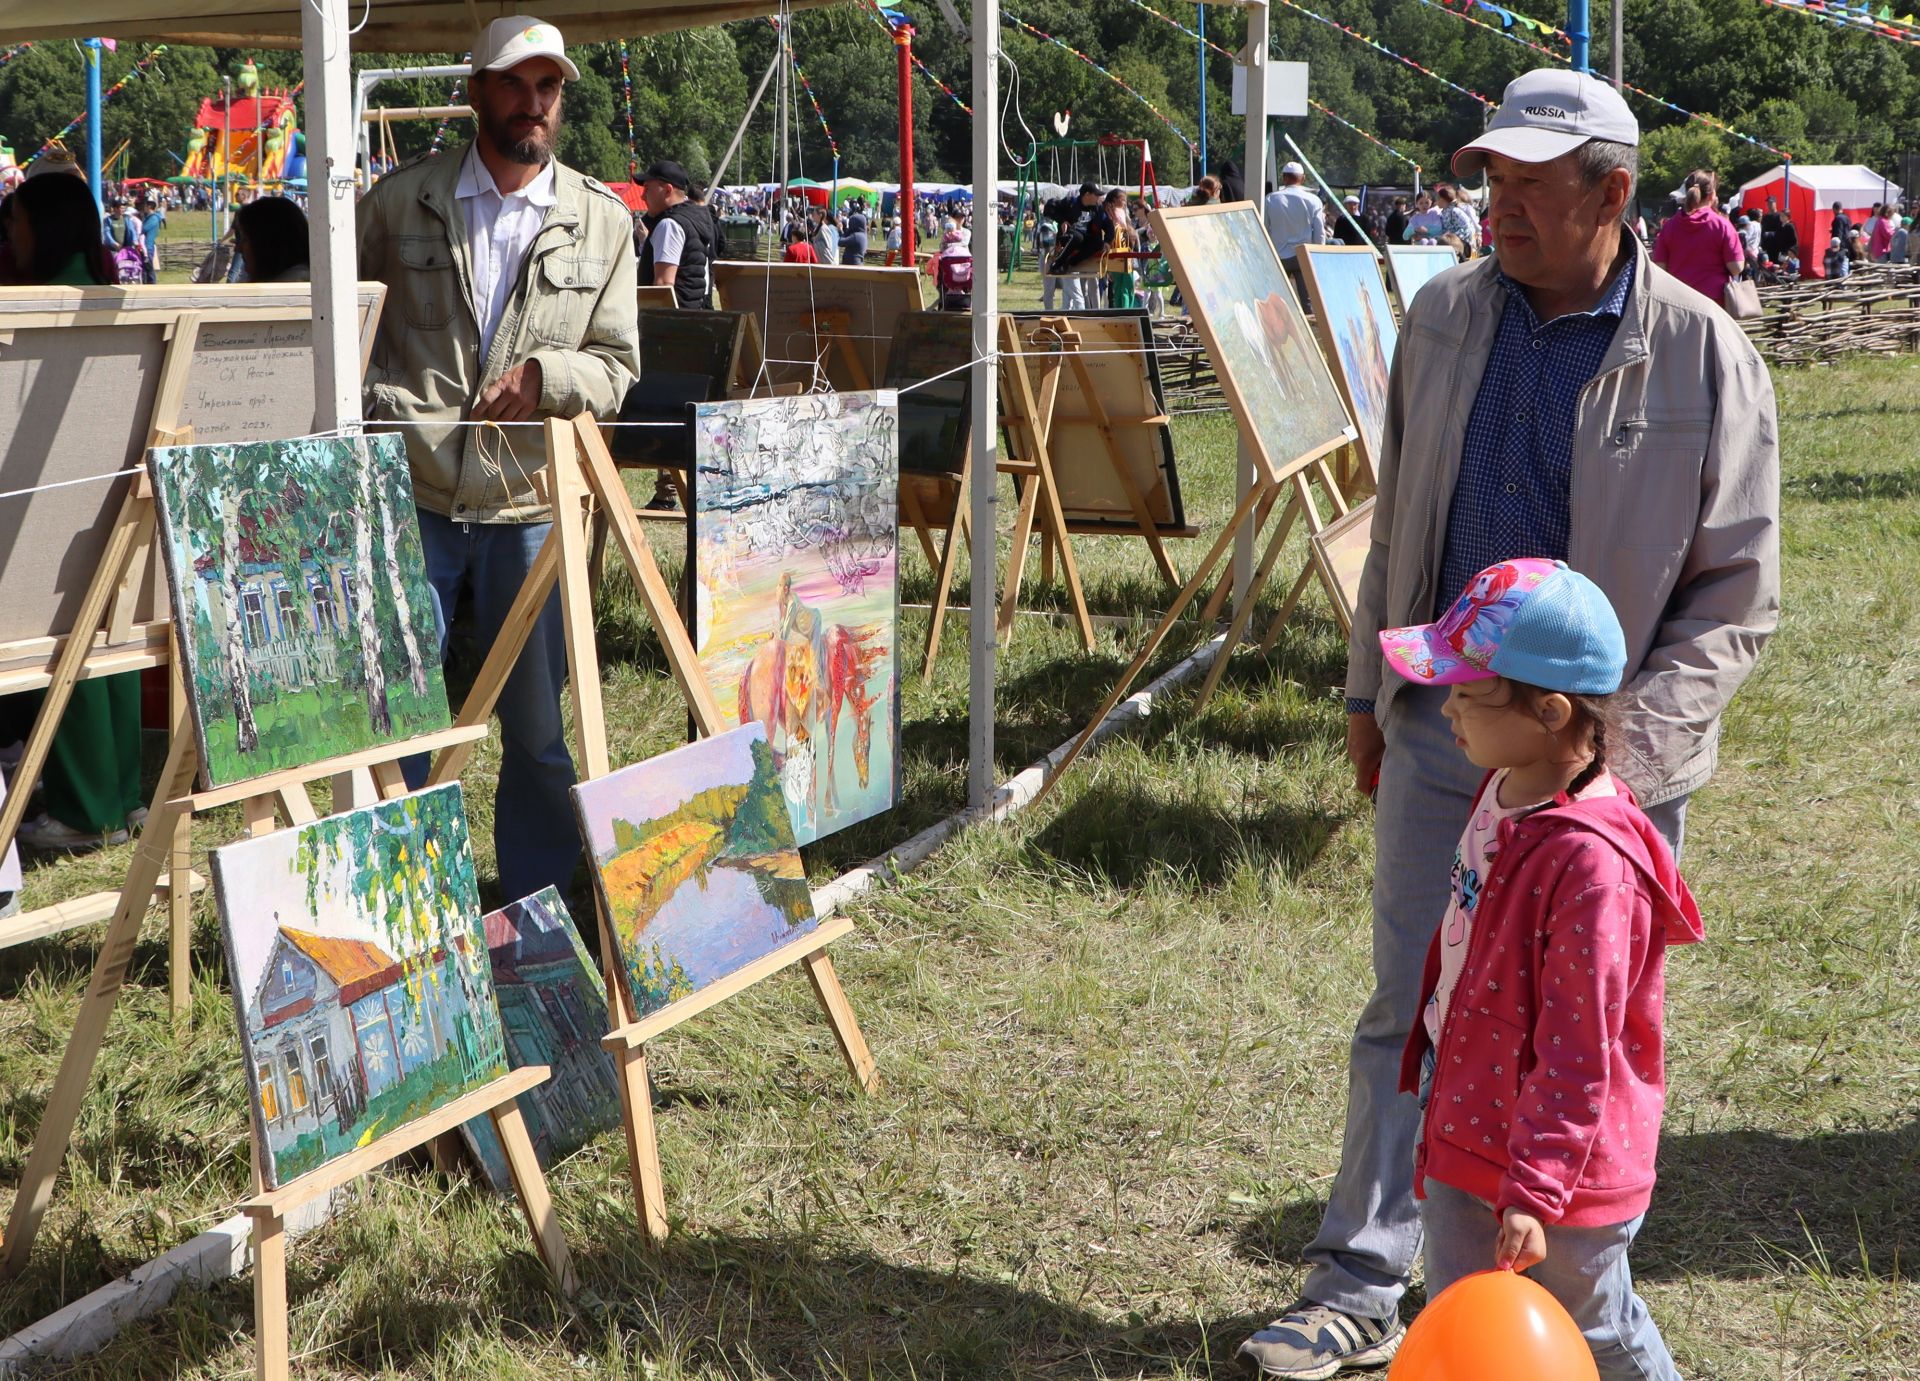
1586, 1270
1370, 1235
535, 839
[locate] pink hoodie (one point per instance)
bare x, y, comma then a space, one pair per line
1550, 1077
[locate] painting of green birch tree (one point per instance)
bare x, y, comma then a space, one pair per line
300, 599
360, 975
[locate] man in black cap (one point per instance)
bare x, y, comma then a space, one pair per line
1082, 243
682, 238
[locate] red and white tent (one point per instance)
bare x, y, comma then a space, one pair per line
1814, 190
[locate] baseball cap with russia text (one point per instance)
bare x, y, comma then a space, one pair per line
1547, 113
510, 41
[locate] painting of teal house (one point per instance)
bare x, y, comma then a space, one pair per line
553, 1010
339, 1029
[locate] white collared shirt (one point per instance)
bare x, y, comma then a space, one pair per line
500, 230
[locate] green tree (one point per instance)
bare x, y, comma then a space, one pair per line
1669, 153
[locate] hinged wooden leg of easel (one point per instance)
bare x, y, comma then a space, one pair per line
1028, 416
1248, 504
959, 528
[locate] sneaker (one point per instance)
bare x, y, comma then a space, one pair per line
1312, 1341
137, 818
48, 835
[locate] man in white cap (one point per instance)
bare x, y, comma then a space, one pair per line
510, 298
1566, 399
1294, 218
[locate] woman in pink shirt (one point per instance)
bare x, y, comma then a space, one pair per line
1699, 246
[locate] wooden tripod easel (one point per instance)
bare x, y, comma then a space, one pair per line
1255, 506
582, 480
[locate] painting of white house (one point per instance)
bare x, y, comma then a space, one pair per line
360, 975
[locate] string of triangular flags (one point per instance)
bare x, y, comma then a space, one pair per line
1382, 48
1862, 18
1042, 34
1552, 56
886, 19
1324, 109
1510, 19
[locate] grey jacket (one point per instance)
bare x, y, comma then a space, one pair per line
573, 309
1675, 505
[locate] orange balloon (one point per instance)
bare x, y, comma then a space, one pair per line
1494, 1326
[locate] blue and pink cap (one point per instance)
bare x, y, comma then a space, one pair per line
1538, 622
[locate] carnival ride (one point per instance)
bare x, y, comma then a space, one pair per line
251, 137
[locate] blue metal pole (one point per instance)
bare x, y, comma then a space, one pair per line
1200, 28
91, 49
1578, 21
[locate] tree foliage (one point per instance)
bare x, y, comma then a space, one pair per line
1821, 93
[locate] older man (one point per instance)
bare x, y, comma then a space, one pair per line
510, 298
1567, 399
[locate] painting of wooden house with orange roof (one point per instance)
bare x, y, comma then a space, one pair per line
360, 973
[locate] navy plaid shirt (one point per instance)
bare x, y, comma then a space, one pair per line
1512, 497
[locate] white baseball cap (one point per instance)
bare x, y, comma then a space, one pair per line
511, 41
1548, 113
1292, 169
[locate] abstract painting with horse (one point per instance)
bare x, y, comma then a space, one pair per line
795, 593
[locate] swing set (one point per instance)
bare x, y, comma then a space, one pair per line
1027, 187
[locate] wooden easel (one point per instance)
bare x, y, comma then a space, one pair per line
175, 802
498, 1100
1256, 506
833, 330
105, 642
270, 1208
582, 481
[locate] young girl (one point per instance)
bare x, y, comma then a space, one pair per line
1539, 1057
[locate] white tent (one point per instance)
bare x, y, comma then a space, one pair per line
1855, 186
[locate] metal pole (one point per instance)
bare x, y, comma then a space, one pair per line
983, 495
1200, 44
738, 135
780, 56
1256, 55
1578, 20
91, 51
903, 204
330, 233
1619, 39
223, 187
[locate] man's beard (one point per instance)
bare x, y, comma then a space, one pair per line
534, 149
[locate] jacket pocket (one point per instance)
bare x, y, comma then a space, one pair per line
1476, 1083
561, 300
1655, 469
429, 289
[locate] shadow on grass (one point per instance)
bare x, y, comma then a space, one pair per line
1124, 836
792, 1307
1740, 1205
1853, 486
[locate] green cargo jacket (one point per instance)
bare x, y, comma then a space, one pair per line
573, 310
1675, 502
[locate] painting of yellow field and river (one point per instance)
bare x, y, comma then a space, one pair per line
694, 860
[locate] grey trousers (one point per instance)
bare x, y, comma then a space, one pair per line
1370, 1235
1586, 1270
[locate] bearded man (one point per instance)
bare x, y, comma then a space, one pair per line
510, 298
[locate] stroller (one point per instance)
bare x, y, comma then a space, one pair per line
955, 282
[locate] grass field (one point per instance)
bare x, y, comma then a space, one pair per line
1112, 1034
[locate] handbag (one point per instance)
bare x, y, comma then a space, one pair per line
1741, 298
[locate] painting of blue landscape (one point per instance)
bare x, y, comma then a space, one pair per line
695, 863
553, 1009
